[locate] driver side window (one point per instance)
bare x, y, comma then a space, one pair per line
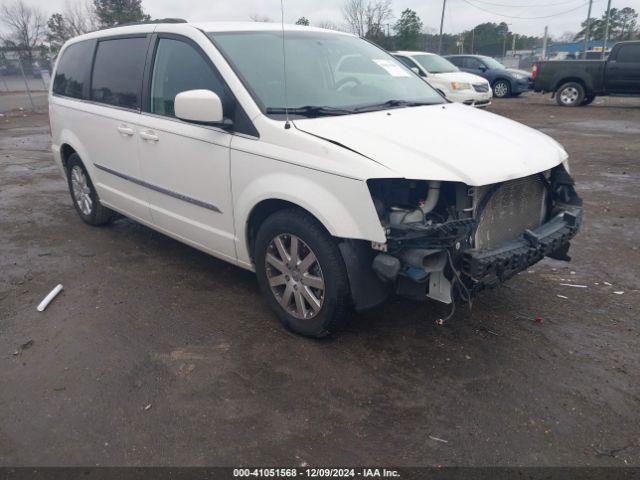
179, 67
473, 63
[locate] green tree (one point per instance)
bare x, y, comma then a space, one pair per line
303, 21
408, 29
57, 31
118, 12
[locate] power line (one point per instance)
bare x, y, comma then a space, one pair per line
510, 5
526, 18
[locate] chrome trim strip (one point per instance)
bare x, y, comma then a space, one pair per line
171, 193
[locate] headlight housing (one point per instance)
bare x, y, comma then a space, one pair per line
460, 86
520, 76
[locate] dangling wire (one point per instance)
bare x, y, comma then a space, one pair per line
287, 125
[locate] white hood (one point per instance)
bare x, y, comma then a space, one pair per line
448, 142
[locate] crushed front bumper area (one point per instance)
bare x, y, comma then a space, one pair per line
491, 267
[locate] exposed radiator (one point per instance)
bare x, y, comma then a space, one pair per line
512, 208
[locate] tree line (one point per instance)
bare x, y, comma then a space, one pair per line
35, 39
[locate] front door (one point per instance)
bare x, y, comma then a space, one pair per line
186, 165
623, 72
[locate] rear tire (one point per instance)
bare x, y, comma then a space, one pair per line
83, 194
571, 94
310, 296
502, 89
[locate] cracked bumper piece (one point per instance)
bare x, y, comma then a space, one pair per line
494, 266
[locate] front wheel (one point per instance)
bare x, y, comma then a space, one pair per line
502, 89
302, 274
570, 94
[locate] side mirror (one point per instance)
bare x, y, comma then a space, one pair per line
418, 72
202, 106
483, 68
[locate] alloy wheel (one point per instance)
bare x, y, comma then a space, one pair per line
569, 95
81, 190
295, 276
501, 89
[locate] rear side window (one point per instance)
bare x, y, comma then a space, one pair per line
179, 67
73, 69
629, 54
457, 61
117, 72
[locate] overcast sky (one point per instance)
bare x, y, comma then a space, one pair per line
459, 15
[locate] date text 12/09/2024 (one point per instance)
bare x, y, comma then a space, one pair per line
316, 472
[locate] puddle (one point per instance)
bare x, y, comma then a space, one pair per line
607, 126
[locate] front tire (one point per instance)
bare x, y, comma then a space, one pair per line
83, 194
570, 94
502, 89
302, 274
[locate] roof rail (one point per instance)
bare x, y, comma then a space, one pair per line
149, 22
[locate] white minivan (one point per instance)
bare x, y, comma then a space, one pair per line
338, 175
440, 73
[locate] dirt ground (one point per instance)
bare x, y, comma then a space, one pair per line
156, 354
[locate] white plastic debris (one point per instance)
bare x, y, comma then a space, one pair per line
47, 300
438, 439
561, 296
147, 407
620, 292
572, 285
607, 284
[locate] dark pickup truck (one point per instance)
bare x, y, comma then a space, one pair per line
577, 82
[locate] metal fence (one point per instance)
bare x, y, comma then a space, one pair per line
24, 79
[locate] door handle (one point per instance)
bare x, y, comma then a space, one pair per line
124, 130
149, 136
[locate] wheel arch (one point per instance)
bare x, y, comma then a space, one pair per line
574, 79
342, 206
261, 211
497, 79
70, 144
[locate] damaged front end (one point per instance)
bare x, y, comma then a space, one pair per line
447, 241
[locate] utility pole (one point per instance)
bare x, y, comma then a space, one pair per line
587, 32
444, 4
606, 30
473, 39
513, 44
544, 43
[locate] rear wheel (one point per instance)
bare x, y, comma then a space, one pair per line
570, 94
302, 274
502, 89
84, 195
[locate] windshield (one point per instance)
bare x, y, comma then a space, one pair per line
492, 63
340, 73
435, 64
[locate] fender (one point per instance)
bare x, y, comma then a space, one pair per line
343, 206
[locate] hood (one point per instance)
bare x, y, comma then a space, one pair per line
462, 77
449, 142
521, 72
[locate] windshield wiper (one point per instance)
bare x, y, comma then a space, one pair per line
392, 104
310, 111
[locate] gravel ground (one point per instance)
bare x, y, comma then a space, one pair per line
156, 354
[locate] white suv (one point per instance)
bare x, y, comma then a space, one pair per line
440, 73
350, 181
